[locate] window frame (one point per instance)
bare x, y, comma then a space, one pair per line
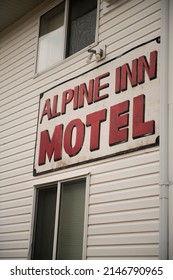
58, 183
65, 59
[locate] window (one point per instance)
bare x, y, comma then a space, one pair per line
59, 221
66, 29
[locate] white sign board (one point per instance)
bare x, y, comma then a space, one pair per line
110, 110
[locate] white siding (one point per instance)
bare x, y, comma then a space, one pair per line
124, 192
124, 208
125, 27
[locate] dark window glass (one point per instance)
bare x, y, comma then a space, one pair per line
82, 25
71, 206
52, 20
44, 224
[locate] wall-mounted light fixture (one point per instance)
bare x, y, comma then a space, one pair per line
89, 58
97, 53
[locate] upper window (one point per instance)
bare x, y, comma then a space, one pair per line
65, 30
59, 221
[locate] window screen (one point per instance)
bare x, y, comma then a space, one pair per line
82, 24
71, 221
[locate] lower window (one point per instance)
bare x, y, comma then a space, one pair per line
59, 221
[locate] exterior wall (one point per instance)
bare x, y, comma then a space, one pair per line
124, 208
170, 83
124, 191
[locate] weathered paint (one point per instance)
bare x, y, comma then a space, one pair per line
111, 109
122, 188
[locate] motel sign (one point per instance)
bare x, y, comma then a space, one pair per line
109, 110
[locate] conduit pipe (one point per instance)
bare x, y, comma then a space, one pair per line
164, 176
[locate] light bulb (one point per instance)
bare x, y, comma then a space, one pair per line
89, 58
98, 56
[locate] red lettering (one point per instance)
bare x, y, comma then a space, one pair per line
132, 75
75, 98
49, 147
136, 75
124, 72
54, 109
140, 127
118, 80
99, 87
46, 110
87, 93
118, 121
94, 120
70, 148
151, 68
66, 98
